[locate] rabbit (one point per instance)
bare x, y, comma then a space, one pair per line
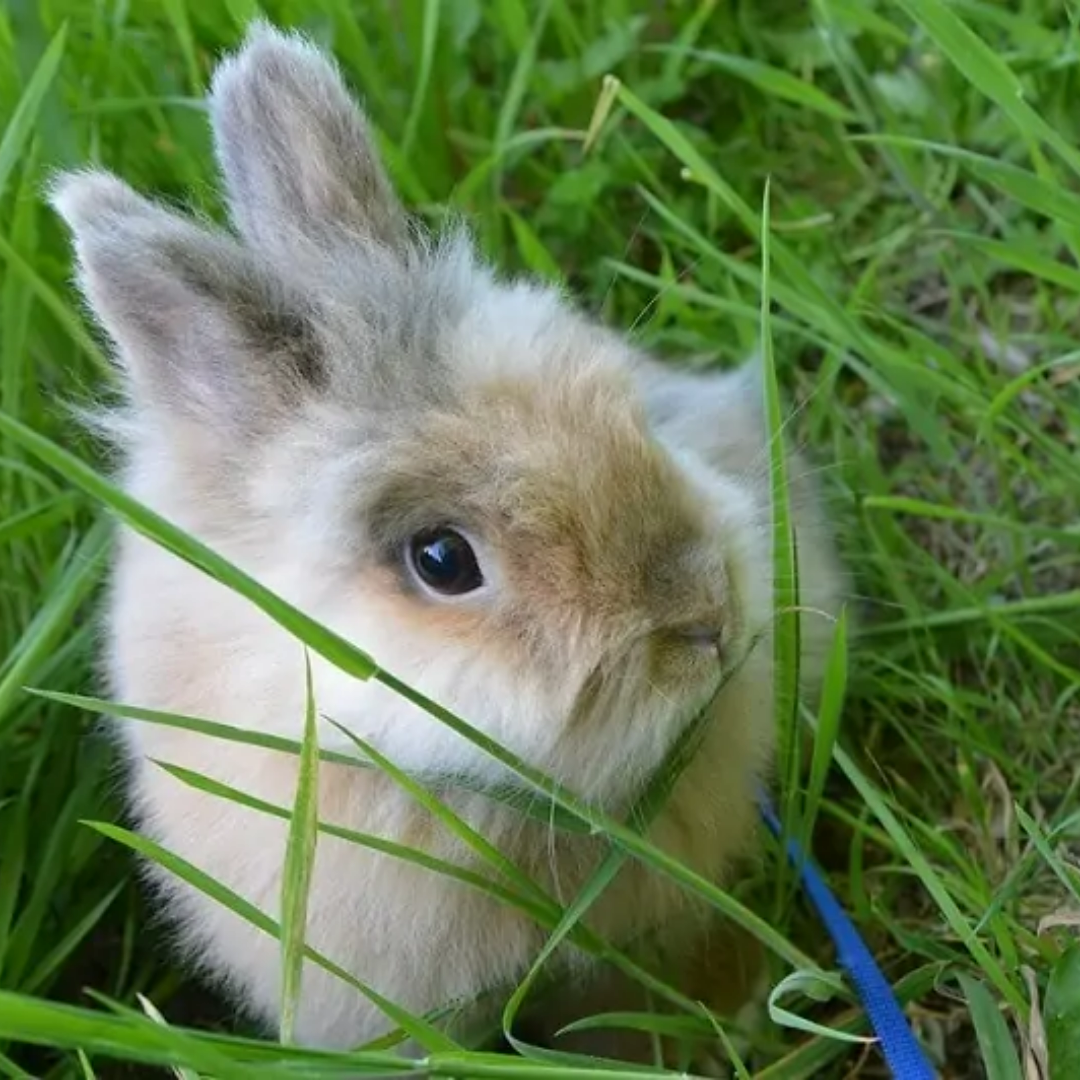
509, 505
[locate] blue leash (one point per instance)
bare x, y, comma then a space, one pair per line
902, 1052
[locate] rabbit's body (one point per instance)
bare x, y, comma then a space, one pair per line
505, 504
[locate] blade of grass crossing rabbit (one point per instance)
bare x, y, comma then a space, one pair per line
537, 806
416, 1027
325, 642
201, 782
597, 882
547, 910
785, 578
616, 832
352, 660
826, 729
453, 822
209, 728
640, 817
300, 850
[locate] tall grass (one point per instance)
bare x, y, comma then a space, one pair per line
915, 275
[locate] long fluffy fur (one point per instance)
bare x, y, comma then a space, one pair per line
307, 393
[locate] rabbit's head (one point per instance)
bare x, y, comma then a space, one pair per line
477, 485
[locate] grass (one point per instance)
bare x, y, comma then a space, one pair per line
924, 213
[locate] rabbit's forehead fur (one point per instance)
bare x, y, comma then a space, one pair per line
512, 419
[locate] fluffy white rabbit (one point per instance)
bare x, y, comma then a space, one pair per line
508, 505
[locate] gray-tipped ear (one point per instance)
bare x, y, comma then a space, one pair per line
295, 150
203, 331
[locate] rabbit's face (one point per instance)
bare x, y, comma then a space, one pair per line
498, 521
528, 550
463, 476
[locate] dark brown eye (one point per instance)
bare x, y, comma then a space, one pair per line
445, 562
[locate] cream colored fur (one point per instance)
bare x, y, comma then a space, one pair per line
304, 394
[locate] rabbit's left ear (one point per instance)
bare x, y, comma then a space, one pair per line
204, 332
299, 162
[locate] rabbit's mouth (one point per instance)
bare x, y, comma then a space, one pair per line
550, 792
642, 795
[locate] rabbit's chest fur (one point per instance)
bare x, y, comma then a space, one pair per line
182, 643
506, 503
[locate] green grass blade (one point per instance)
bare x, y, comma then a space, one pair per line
1061, 1010
515, 93
827, 728
176, 11
1048, 199
423, 78
998, 1051
453, 822
20, 128
986, 71
132, 1037
53, 620
932, 882
63, 949
416, 1027
770, 80
616, 832
415, 856
1067, 874
785, 598
300, 850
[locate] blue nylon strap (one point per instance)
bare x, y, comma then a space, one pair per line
902, 1052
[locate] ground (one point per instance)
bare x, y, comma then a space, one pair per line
925, 229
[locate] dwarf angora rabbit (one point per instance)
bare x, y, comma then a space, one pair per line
509, 506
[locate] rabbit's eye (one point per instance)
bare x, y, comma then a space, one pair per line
445, 562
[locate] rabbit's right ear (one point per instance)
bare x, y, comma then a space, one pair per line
299, 162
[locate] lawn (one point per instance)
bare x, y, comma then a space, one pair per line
922, 161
